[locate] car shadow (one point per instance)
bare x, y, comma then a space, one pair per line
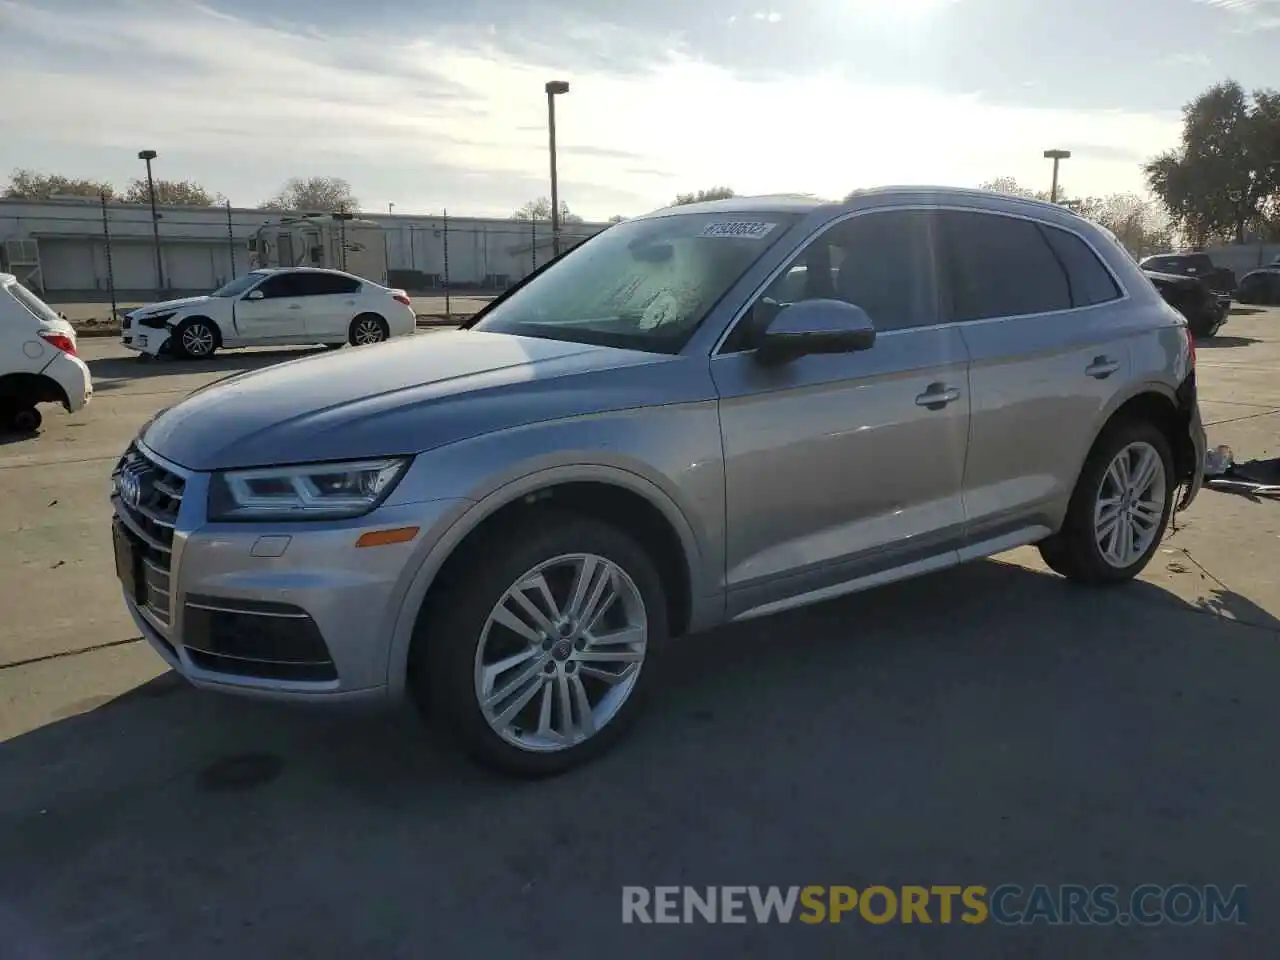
1246, 311
989, 723
1220, 342
114, 372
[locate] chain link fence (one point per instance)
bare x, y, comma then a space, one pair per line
105, 252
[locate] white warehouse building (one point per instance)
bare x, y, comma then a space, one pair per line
74, 250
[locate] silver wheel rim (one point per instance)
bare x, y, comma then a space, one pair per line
197, 340
368, 331
561, 652
1130, 505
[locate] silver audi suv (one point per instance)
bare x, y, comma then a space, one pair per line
702, 415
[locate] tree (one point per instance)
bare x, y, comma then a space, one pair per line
1137, 222
540, 209
701, 196
1223, 178
172, 193
1010, 187
314, 195
31, 185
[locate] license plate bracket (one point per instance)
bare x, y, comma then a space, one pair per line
128, 560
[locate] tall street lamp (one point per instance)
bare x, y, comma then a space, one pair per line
148, 156
554, 87
391, 208
1055, 156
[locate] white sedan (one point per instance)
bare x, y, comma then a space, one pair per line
297, 305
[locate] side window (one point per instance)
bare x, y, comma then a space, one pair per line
324, 284
1000, 266
882, 262
278, 285
1088, 279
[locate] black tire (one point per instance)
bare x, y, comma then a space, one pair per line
195, 330
1073, 551
364, 326
24, 420
445, 673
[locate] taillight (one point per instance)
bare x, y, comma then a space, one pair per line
401, 297
60, 340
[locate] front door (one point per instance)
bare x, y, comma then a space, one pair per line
844, 466
278, 316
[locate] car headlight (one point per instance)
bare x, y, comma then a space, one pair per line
157, 321
314, 491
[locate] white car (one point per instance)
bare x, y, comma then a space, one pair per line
38, 362
296, 305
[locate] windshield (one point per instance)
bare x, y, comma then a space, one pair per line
641, 284
34, 304
238, 286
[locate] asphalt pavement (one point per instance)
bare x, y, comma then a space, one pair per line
986, 725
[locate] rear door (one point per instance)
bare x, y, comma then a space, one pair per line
1035, 306
329, 306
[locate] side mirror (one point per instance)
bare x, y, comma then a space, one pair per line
815, 326
254, 295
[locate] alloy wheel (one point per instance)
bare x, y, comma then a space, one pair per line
368, 330
197, 340
560, 652
1130, 505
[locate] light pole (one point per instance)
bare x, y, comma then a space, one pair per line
391, 208
1055, 156
148, 156
554, 87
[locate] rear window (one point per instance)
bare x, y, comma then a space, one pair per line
1001, 266
33, 304
1089, 280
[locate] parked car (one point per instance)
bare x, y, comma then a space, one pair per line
1261, 286
38, 362
1204, 311
299, 305
705, 414
1221, 280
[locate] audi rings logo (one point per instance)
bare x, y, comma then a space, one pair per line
129, 486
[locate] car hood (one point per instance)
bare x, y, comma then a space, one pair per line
408, 396
167, 305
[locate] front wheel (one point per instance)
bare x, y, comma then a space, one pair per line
195, 339
539, 653
368, 328
1119, 509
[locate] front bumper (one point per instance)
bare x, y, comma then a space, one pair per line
280, 610
147, 340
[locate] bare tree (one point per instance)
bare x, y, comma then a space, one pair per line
32, 185
701, 196
173, 193
314, 195
540, 209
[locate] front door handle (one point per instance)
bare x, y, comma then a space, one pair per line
937, 396
1102, 367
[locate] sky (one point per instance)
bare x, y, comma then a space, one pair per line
435, 105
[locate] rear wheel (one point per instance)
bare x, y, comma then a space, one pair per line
368, 328
22, 419
1119, 509
195, 339
538, 654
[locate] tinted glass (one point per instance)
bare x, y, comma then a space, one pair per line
323, 284
1158, 264
237, 286
1089, 280
880, 262
1000, 266
641, 284
279, 285
29, 300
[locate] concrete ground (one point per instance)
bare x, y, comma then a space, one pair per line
982, 726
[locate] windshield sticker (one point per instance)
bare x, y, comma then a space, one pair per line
744, 229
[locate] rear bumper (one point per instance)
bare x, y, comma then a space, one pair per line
72, 375
1196, 446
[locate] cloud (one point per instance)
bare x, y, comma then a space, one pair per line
1257, 14
453, 117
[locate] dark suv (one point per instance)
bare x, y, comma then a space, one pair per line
1221, 280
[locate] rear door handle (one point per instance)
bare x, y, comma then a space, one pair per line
937, 396
1102, 367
